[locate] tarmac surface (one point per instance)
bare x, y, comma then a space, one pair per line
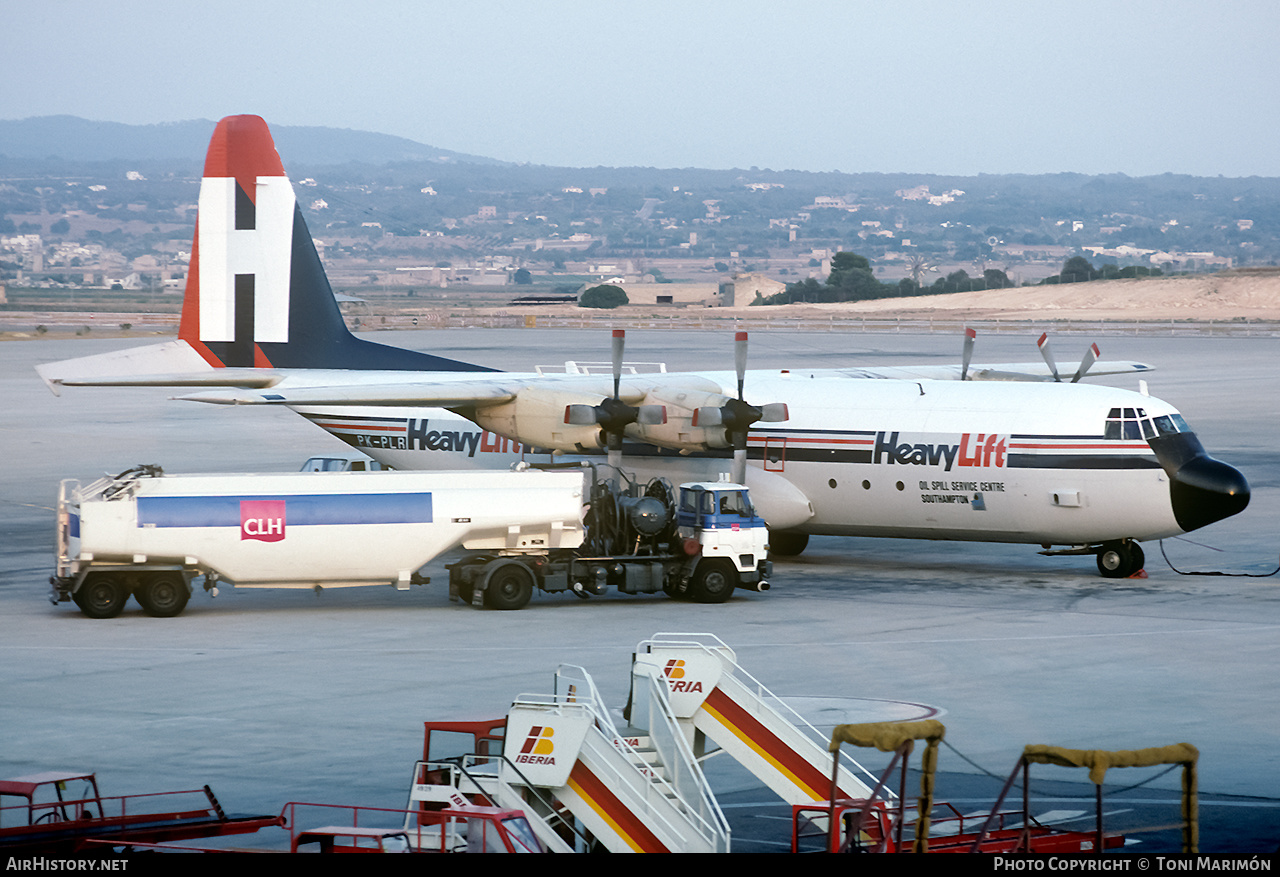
273, 696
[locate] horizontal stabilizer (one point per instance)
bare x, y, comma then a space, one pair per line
171, 364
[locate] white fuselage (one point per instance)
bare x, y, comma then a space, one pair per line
997, 462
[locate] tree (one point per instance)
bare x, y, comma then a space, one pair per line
996, 279
522, 277
851, 278
1077, 269
606, 296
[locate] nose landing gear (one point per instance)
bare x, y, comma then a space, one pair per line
1119, 560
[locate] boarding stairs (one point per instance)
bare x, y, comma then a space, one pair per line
715, 701
635, 789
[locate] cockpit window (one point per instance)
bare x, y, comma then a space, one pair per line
1169, 424
1133, 423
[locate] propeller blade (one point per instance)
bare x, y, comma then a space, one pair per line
708, 416
740, 359
619, 340
970, 336
1045, 352
651, 415
580, 415
1090, 357
774, 412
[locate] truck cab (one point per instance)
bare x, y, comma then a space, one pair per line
731, 539
717, 505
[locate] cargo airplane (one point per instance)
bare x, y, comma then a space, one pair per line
1008, 453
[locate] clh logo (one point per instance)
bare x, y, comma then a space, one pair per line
674, 671
262, 519
537, 746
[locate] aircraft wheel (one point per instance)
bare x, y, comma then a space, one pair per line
1119, 560
510, 586
786, 543
102, 595
163, 595
713, 581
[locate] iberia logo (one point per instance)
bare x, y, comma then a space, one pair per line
674, 671
262, 519
537, 746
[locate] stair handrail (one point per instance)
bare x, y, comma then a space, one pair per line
713, 645
588, 699
676, 754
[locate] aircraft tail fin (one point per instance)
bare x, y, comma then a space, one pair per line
257, 295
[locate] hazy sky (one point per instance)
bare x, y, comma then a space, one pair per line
925, 86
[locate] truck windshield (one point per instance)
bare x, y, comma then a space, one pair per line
729, 502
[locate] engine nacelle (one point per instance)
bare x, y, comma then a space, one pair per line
679, 432
536, 417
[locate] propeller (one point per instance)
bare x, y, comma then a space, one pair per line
1045, 352
612, 414
737, 415
1090, 357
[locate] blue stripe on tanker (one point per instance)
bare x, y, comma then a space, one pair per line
301, 511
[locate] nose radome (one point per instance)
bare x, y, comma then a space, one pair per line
1204, 490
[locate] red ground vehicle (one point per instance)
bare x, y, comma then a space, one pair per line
63, 812
465, 828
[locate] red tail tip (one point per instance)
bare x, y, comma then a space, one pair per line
242, 147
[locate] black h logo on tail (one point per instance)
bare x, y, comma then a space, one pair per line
240, 352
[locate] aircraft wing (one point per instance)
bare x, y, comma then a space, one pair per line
439, 390
447, 393
1010, 371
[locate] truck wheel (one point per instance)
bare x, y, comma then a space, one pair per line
510, 586
713, 581
163, 595
102, 595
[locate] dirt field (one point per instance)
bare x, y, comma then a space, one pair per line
1250, 294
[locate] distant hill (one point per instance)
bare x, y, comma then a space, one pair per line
71, 138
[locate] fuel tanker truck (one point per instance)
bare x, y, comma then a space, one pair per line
151, 535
